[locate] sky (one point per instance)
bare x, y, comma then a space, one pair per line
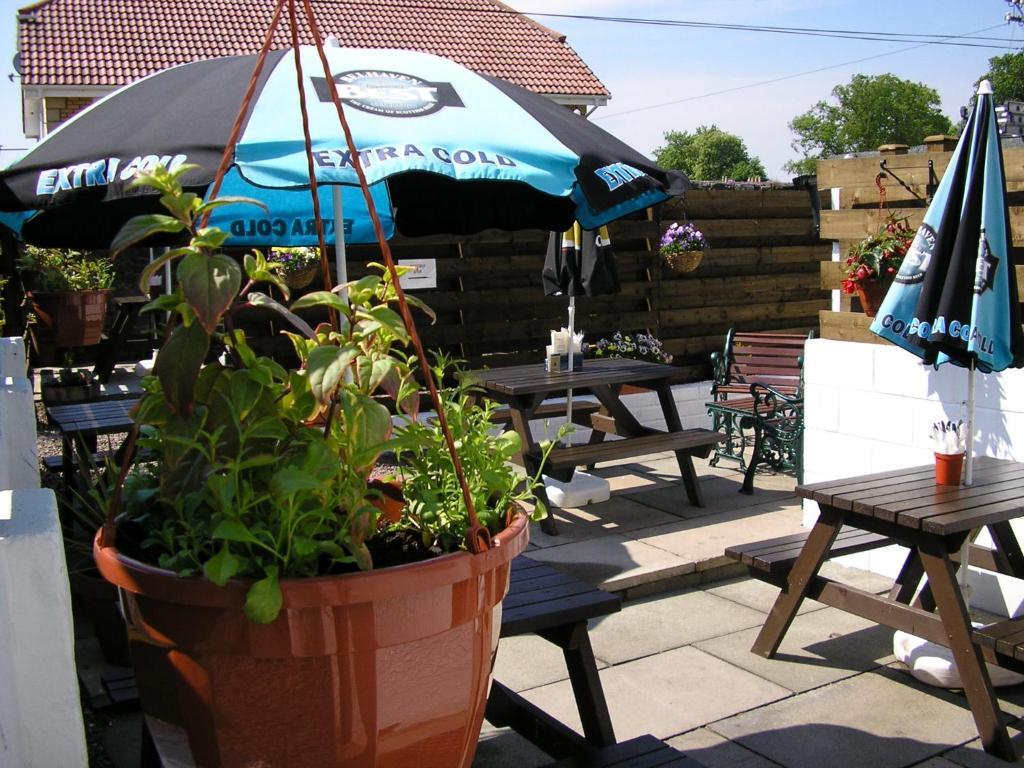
750, 84
723, 77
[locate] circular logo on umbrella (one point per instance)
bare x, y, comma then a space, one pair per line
919, 255
394, 94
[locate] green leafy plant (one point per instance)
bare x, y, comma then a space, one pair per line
59, 270
293, 260
435, 506
879, 256
255, 470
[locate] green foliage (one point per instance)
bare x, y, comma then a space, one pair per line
709, 154
60, 270
879, 256
1006, 74
259, 472
871, 111
435, 504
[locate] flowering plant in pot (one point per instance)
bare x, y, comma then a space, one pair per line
682, 247
297, 266
644, 346
871, 264
69, 292
248, 542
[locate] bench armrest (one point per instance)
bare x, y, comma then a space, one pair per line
771, 403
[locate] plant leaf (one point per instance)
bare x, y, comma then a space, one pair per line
326, 366
222, 566
321, 299
234, 530
178, 363
289, 481
264, 599
141, 227
262, 300
209, 284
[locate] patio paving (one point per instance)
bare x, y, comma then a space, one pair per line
675, 661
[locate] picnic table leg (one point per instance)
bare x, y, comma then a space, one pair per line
974, 675
815, 550
574, 640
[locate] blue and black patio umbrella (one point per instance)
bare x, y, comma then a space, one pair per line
445, 149
954, 298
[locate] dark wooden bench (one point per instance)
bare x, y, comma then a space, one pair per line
758, 386
687, 443
771, 560
641, 752
555, 606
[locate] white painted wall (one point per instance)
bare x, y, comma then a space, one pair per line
40, 715
870, 407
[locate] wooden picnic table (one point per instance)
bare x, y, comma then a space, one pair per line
907, 507
79, 425
523, 389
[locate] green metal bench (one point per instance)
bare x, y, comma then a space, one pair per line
757, 401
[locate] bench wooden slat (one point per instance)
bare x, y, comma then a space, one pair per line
775, 557
697, 442
580, 408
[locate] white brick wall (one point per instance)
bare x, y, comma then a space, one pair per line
870, 407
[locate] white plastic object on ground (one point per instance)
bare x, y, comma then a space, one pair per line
932, 664
583, 489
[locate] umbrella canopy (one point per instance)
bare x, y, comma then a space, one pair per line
446, 149
954, 298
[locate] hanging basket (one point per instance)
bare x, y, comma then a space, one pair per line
685, 261
302, 278
75, 318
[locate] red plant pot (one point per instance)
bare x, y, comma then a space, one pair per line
872, 294
382, 668
948, 468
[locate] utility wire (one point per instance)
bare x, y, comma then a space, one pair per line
842, 34
769, 82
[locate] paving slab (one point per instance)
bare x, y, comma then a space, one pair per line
876, 719
720, 494
617, 515
666, 694
504, 748
665, 622
755, 594
614, 562
972, 755
821, 647
529, 661
712, 751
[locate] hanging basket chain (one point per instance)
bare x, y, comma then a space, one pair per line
477, 537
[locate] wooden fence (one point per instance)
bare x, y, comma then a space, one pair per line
761, 274
907, 180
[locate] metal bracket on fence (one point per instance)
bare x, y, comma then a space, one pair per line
929, 187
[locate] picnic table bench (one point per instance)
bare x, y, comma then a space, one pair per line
758, 386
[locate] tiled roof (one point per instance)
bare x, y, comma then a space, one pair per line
112, 42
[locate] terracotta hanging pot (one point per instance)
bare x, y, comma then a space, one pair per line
383, 668
871, 294
74, 317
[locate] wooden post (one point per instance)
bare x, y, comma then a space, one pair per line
893, 149
940, 143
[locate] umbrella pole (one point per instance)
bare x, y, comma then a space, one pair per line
568, 393
969, 457
339, 235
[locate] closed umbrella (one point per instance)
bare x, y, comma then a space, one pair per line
954, 299
445, 149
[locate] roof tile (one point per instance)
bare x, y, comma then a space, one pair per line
112, 42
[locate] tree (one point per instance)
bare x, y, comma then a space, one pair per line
871, 111
1006, 73
708, 154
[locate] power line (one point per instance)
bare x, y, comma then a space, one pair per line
771, 81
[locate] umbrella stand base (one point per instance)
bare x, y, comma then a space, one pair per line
581, 490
